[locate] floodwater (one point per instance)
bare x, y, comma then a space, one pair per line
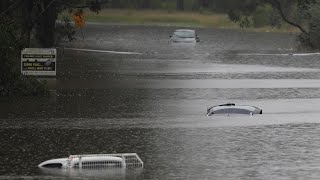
125, 89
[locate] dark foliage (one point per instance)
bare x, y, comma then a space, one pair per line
11, 80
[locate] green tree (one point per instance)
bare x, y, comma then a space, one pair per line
20, 21
311, 37
11, 80
302, 14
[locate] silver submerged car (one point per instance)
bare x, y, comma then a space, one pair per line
184, 36
231, 108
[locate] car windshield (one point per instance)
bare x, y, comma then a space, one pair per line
184, 34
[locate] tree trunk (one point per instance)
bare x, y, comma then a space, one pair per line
4, 4
46, 27
203, 3
276, 4
210, 4
180, 5
27, 23
145, 4
115, 3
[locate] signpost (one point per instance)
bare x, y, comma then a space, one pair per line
39, 61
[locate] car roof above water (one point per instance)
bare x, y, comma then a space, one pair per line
231, 108
185, 30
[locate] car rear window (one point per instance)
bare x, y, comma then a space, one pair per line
184, 34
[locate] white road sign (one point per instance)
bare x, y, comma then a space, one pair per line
39, 61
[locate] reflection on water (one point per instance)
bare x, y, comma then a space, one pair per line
115, 173
271, 151
154, 104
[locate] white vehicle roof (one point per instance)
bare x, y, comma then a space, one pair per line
185, 30
231, 108
249, 108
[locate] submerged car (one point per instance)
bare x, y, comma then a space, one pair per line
78, 162
184, 36
231, 108
94, 161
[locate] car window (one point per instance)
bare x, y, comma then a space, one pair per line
184, 34
232, 111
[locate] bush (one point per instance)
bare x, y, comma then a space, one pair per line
311, 39
314, 26
11, 80
262, 16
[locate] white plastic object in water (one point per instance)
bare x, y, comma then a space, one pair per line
126, 160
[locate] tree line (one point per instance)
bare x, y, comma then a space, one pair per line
37, 18
188, 5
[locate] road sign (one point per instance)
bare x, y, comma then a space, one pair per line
39, 61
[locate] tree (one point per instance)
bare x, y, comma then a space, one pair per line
180, 5
281, 5
146, 4
302, 14
20, 21
311, 37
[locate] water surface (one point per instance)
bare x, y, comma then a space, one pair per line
153, 103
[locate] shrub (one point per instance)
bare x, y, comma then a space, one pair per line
264, 16
11, 80
314, 26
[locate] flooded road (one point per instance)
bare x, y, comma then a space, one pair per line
126, 89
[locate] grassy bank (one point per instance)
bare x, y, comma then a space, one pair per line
160, 17
172, 18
